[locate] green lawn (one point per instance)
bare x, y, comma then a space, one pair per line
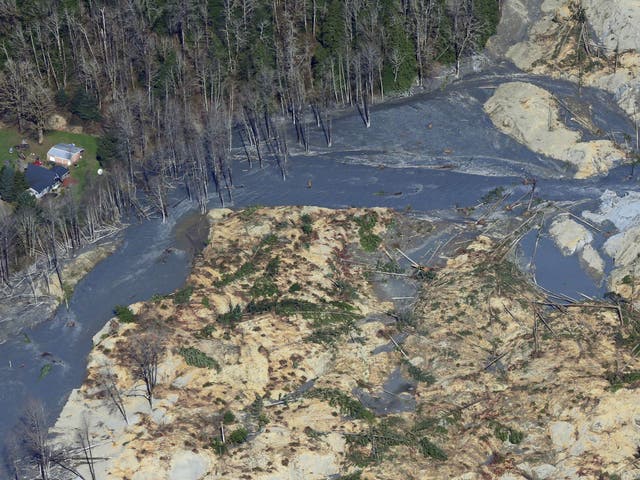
87, 167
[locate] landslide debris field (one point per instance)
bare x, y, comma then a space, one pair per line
292, 352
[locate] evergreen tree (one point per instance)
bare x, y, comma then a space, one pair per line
6, 183
20, 184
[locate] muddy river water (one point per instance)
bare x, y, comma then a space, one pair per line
380, 166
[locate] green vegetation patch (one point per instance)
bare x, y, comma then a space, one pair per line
245, 269
307, 224
391, 266
248, 212
234, 315
346, 405
620, 380
264, 287
493, 195
206, 331
124, 314
228, 418
430, 449
373, 443
505, 433
369, 241
45, 370
183, 295
419, 374
330, 320
239, 435
197, 358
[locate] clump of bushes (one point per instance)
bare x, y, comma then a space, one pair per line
183, 295
369, 241
504, 433
124, 314
264, 287
348, 406
239, 435
197, 358
206, 331
419, 374
307, 224
430, 449
232, 316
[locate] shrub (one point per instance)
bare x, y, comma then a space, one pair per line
239, 436
296, 287
197, 358
367, 221
228, 418
273, 267
183, 296
218, 446
233, 315
420, 375
244, 270
124, 314
369, 241
347, 405
206, 331
430, 449
264, 287
504, 433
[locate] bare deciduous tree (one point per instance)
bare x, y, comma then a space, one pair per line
84, 438
108, 381
144, 358
32, 435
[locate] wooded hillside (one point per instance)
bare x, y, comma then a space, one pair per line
164, 82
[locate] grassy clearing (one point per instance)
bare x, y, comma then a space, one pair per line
87, 167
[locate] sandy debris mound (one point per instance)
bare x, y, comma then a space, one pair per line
530, 115
615, 22
274, 308
572, 237
624, 246
569, 235
481, 382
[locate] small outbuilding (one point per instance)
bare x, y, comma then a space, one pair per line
66, 154
43, 180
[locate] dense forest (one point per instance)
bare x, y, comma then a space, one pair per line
165, 82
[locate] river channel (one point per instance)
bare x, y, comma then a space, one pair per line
380, 166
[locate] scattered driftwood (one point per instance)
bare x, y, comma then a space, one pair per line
414, 264
564, 306
538, 314
582, 220
495, 360
398, 347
